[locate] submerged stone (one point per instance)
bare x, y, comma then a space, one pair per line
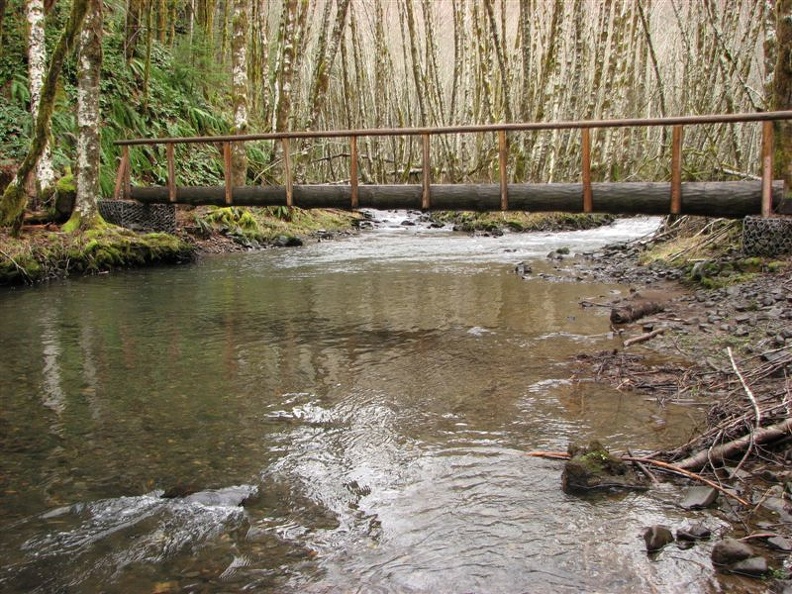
699, 497
730, 551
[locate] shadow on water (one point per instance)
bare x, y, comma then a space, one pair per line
372, 400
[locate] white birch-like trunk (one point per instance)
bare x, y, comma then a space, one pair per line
89, 64
239, 87
37, 70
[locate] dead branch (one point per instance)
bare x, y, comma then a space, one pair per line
732, 448
674, 468
643, 337
748, 392
630, 313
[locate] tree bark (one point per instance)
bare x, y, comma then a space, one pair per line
239, 87
782, 91
14, 200
89, 65
37, 69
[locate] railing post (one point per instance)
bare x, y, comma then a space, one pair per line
287, 173
353, 171
676, 169
171, 172
122, 176
767, 169
504, 188
227, 165
588, 195
425, 199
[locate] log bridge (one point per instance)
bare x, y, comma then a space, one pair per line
732, 199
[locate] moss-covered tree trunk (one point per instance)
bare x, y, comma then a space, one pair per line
89, 64
14, 200
782, 90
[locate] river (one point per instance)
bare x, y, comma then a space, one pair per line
372, 397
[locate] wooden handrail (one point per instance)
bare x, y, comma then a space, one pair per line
507, 127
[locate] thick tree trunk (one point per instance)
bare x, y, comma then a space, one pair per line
37, 70
89, 64
782, 91
12, 205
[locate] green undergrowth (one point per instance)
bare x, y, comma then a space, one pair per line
522, 221
41, 255
708, 251
265, 225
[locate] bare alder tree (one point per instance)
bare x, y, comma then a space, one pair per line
239, 86
37, 70
89, 66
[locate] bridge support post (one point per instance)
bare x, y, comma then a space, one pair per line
588, 196
502, 155
676, 169
353, 171
171, 172
227, 166
425, 198
122, 185
287, 173
767, 168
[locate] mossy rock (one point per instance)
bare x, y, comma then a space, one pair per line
593, 468
65, 195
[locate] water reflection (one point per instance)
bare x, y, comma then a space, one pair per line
382, 413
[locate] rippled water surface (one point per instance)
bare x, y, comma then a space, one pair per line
371, 399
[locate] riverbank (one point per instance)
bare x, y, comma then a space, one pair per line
702, 322
43, 252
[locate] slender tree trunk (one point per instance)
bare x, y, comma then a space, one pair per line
89, 66
325, 57
501, 57
418, 78
284, 73
782, 90
239, 87
2, 20
37, 69
131, 27
14, 200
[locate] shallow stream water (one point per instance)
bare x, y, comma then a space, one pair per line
373, 398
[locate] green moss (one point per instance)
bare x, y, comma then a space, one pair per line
521, 221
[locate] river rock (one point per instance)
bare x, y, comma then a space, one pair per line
698, 497
225, 497
693, 533
730, 551
780, 543
753, 566
592, 467
656, 537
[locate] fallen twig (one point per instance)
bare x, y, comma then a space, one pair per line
643, 337
748, 392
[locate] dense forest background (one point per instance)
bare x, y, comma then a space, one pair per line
191, 67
